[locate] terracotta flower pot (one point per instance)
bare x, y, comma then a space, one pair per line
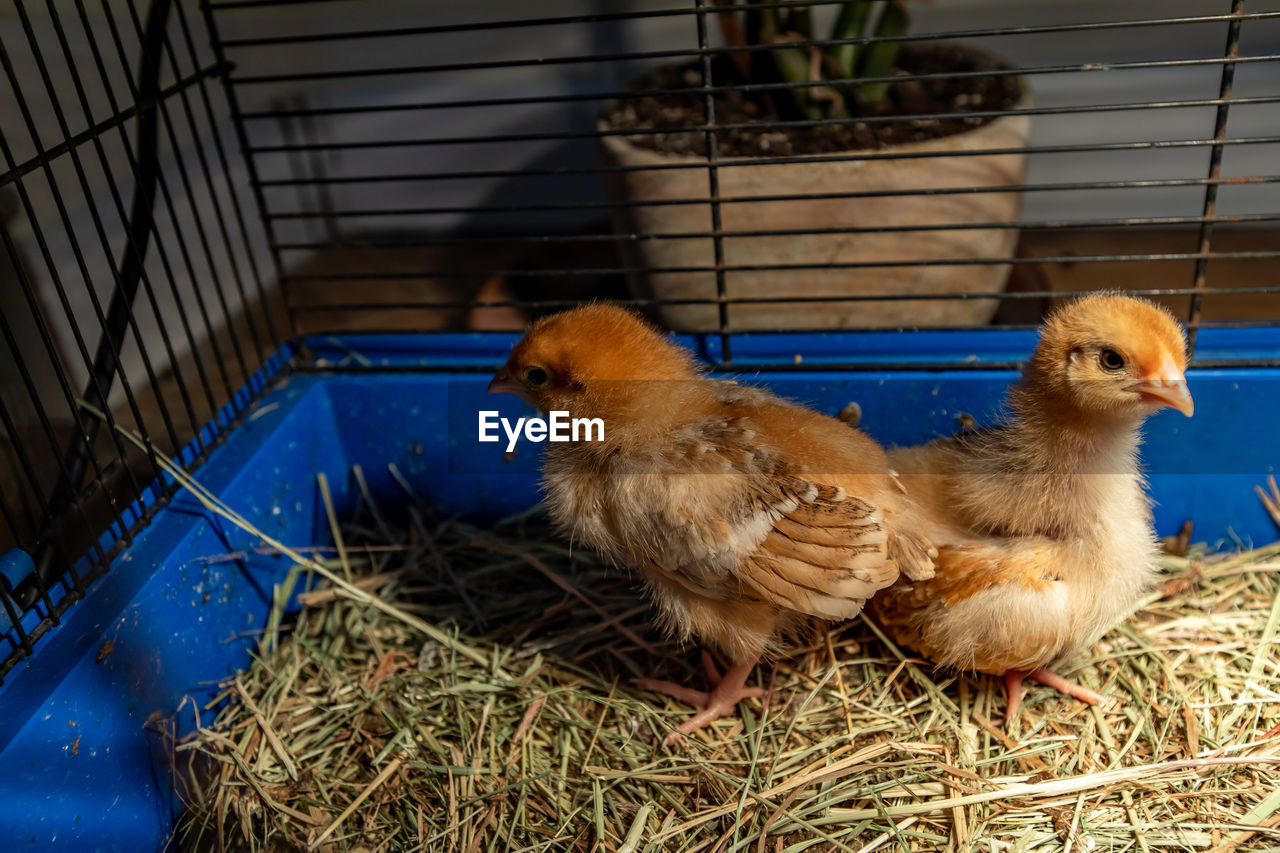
877, 177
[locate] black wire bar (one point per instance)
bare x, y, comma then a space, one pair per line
721, 267
631, 94
713, 183
553, 304
1231, 53
685, 11
729, 163
652, 55
1152, 183
1243, 361
560, 136
758, 367
553, 239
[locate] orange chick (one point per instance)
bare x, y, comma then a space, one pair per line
745, 515
1042, 526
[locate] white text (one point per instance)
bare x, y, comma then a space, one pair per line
557, 427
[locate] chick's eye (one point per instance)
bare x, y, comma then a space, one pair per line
536, 376
1110, 359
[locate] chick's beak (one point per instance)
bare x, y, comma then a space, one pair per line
502, 383
1167, 386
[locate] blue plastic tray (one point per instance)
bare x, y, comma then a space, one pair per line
82, 768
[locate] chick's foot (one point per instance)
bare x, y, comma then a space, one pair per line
1013, 687
728, 690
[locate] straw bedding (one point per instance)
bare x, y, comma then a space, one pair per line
444, 687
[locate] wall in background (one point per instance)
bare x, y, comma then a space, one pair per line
220, 278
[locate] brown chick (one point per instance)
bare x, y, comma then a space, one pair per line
745, 515
1043, 530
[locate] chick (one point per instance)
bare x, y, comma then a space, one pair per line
1042, 526
745, 515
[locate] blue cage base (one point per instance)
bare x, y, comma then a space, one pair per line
83, 762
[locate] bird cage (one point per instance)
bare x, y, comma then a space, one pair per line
268, 241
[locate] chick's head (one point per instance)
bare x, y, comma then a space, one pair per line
1112, 355
591, 359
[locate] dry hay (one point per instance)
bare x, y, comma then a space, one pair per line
514, 725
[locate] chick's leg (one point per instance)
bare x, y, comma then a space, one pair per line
727, 691
1013, 687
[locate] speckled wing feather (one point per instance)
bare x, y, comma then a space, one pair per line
754, 526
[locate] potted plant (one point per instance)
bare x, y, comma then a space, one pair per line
899, 136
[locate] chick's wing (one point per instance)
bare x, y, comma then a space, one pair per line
732, 518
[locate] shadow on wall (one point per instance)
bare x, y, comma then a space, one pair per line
387, 273
389, 280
